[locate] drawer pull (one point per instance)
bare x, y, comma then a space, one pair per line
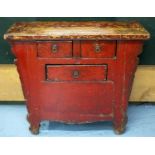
54, 48
97, 48
76, 74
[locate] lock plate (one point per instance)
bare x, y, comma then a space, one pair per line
97, 48
75, 74
54, 48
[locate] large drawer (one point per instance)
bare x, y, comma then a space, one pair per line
76, 72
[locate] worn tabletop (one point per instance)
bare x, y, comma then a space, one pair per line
77, 30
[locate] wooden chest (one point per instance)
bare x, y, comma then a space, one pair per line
77, 72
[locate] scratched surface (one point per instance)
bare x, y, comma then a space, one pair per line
76, 30
13, 124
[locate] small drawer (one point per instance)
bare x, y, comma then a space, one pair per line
55, 49
76, 72
98, 49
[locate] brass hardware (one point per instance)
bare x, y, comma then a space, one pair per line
97, 48
54, 48
76, 74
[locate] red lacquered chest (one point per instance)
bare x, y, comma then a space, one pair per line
77, 72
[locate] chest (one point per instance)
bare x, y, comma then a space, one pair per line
77, 72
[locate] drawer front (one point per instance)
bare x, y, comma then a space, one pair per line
55, 49
76, 72
98, 49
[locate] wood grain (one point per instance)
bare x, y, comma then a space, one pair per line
143, 88
77, 30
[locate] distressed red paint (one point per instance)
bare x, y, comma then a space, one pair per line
77, 81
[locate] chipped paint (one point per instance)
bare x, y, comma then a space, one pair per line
77, 30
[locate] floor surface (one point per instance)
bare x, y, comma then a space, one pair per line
141, 122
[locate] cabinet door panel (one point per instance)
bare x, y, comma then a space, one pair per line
82, 98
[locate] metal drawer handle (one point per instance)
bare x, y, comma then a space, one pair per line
97, 48
75, 74
54, 48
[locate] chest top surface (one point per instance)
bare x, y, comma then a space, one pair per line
77, 30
